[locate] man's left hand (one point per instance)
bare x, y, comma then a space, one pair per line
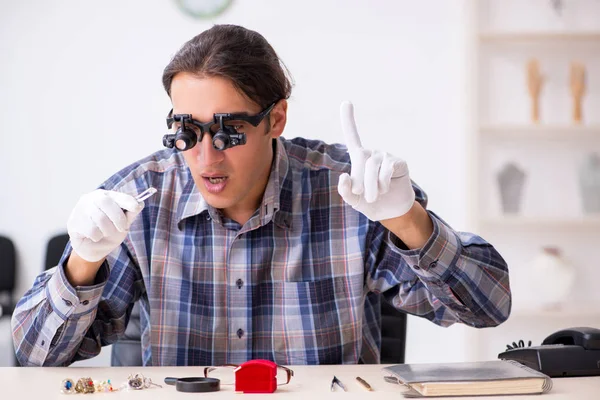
379, 186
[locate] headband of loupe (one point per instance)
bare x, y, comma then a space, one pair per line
221, 129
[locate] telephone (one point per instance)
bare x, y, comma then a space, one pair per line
569, 352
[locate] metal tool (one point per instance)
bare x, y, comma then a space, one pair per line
336, 381
145, 194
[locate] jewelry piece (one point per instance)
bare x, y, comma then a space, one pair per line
67, 386
85, 385
105, 386
138, 382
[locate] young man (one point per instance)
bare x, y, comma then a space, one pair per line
254, 246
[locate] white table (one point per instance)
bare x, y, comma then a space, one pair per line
308, 383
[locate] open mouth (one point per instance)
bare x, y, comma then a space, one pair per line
215, 184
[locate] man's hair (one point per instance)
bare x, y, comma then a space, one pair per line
241, 55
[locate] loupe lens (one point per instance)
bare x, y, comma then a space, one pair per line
219, 143
181, 144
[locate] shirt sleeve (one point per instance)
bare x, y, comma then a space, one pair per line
55, 324
454, 277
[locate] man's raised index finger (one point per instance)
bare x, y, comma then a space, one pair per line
349, 126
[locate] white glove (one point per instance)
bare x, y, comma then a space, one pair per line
100, 221
380, 187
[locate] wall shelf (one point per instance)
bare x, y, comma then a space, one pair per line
556, 314
541, 132
544, 37
510, 221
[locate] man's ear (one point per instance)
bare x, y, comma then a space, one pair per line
278, 118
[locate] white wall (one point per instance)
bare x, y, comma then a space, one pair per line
81, 97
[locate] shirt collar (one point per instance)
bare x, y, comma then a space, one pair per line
276, 204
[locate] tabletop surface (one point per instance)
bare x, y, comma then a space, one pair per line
314, 381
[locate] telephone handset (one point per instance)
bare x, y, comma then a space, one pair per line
568, 352
588, 338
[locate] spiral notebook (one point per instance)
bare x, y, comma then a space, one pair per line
484, 378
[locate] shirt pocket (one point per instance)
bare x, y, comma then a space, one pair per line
310, 322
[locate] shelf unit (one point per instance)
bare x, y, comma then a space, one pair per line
559, 314
541, 37
541, 132
498, 53
511, 221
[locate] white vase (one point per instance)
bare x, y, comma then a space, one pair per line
589, 184
552, 278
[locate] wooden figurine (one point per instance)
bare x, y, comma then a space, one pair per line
577, 80
534, 84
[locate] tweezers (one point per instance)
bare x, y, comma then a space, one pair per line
145, 194
336, 381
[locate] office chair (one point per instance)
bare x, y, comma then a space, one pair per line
393, 334
8, 269
128, 350
55, 248
8, 279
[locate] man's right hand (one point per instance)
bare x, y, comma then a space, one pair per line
99, 223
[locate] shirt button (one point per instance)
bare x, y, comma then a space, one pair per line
208, 217
416, 267
43, 342
85, 302
239, 283
240, 333
433, 264
67, 302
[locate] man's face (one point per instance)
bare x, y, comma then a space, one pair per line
232, 180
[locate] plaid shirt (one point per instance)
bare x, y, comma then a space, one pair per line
298, 283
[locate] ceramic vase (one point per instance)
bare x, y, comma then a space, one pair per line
511, 180
589, 184
552, 278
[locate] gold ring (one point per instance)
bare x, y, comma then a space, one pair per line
85, 385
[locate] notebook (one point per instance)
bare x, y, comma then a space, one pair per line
484, 378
